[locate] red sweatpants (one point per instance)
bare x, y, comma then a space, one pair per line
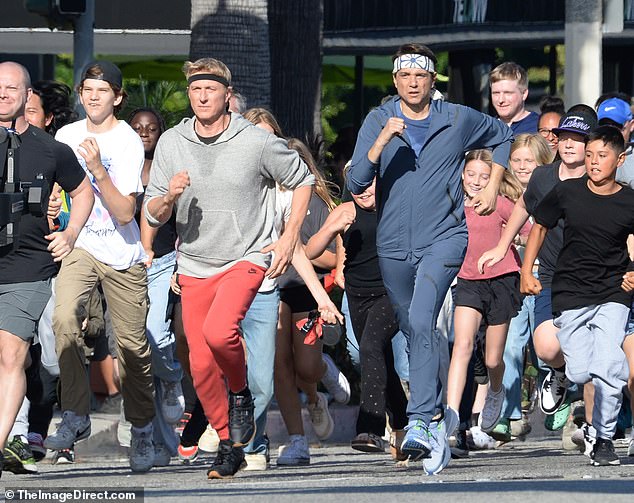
212, 310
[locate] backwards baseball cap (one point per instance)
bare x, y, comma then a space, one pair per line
579, 122
616, 110
109, 72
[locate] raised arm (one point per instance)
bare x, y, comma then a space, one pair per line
518, 218
337, 222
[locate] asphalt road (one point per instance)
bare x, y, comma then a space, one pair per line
533, 471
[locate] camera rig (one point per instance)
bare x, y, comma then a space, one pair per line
17, 197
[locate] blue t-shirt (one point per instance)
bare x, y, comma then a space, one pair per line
527, 125
416, 129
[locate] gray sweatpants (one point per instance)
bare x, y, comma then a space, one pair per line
591, 339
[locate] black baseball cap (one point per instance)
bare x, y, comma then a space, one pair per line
578, 122
109, 72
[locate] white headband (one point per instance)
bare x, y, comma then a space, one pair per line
413, 61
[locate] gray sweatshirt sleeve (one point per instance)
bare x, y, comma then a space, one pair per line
284, 165
160, 176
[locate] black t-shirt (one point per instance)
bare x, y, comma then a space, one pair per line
165, 240
315, 218
594, 257
39, 154
361, 268
543, 180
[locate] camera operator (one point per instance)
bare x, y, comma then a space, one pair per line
26, 267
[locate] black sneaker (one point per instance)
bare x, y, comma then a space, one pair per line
603, 453
480, 371
241, 419
18, 457
461, 448
229, 460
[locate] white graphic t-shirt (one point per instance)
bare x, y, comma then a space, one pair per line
118, 246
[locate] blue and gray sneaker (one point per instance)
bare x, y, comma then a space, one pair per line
416, 443
439, 432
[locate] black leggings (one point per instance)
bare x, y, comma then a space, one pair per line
374, 324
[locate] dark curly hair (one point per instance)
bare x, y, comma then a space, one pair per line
55, 98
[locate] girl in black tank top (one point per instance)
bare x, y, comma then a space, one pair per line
373, 320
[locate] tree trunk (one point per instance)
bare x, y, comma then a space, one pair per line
235, 32
295, 34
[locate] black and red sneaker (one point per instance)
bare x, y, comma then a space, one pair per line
229, 460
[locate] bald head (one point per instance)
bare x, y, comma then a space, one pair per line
15, 87
12, 65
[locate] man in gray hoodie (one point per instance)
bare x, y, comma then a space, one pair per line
218, 172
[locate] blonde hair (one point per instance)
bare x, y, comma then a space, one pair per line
258, 115
536, 144
321, 185
207, 65
510, 186
510, 70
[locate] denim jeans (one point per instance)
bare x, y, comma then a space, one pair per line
259, 328
520, 331
159, 333
351, 340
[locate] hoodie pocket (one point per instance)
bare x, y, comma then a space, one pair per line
213, 234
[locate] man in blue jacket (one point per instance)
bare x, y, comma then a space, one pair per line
415, 147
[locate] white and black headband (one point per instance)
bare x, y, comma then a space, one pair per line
417, 61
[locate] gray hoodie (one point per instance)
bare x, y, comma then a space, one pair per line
226, 214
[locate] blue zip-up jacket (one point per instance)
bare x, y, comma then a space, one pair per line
420, 199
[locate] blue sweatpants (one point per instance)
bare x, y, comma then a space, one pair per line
417, 286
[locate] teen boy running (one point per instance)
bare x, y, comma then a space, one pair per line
108, 251
590, 307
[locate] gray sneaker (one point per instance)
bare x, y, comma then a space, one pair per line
162, 455
172, 401
71, 429
492, 410
141, 452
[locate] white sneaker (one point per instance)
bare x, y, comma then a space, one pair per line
320, 417
630, 449
480, 439
141, 451
492, 410
255, 462
335, 382
209, 440
162, 456
172, 401
294, 454
553, 391
589, 439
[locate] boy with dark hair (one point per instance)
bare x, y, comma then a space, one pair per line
590, 307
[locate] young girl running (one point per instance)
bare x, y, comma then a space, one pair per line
493, 297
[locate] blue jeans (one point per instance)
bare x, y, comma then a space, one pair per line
159, 333
259, 328
417, 286
351, 340
401, 363
520, 331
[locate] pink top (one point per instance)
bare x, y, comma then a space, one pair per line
484, 234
